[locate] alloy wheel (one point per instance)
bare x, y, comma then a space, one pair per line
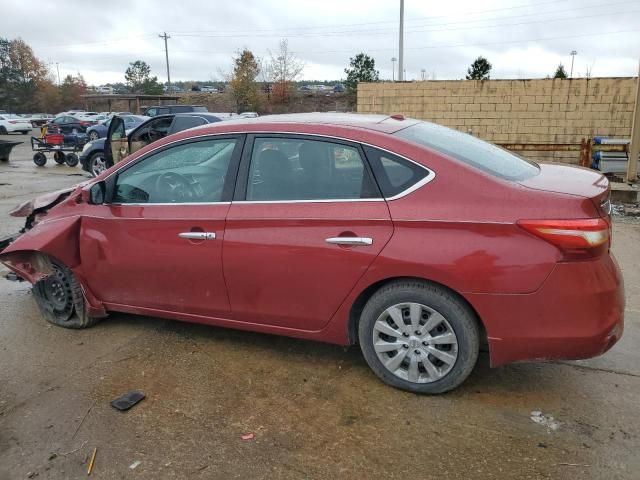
98, 165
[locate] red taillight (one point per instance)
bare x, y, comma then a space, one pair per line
581, 237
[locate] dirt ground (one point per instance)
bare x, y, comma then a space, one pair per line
316, 411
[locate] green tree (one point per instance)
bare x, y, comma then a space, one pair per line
479, 69
244, 88
139, 79
20, 74
362, 68
71, 91
560, 72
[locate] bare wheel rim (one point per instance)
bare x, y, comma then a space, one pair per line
93, 135
415, 342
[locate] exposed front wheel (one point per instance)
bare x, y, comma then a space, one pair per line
419, 337
60, 299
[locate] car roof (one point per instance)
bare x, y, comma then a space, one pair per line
377, 123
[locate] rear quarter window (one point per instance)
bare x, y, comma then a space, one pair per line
468, 149
393, 173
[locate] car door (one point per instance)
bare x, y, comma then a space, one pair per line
157, 242
305, 224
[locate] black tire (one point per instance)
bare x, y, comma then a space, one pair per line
3, 131
60, 299
59, 157
24, 132
459, 316
72, 159
40, 159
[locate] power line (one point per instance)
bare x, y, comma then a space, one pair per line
307, 33
426, 30
309, 27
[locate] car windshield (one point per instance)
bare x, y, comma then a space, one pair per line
471, 150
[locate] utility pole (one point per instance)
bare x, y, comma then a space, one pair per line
573, 56
393, 68
166, 52
401, 44
634, 147
58, 69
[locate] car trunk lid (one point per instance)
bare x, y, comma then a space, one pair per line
577, 181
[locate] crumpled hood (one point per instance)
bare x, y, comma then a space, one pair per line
43, 201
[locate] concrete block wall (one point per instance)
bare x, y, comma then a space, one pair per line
513, 111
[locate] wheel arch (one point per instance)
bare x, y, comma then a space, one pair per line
364, 296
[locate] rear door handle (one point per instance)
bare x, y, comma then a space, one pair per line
354, 241
198, 235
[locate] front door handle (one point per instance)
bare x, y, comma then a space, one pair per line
353, 241
198, 235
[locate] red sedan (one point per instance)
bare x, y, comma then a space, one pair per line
417, 242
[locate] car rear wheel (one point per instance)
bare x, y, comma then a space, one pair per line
97, 164
3, 131
60, 299
419, 337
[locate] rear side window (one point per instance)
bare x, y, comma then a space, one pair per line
299, 169
471, 150
200, 109
394, 174
183, 123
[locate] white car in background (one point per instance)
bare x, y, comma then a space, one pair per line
10, 123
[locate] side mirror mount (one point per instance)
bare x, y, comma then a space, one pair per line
97, 193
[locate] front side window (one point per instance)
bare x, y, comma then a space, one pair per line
470, 150
300, 169
189, 173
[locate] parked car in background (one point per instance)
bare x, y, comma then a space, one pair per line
209, 89
94, 160
68, 124
339, 88
10, 123
196, 88
167, 109
349, 229
100, 130
248, 114
38, 119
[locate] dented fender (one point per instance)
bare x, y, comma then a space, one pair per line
58, 238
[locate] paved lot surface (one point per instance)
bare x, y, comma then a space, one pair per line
316, 410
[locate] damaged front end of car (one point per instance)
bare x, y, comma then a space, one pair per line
46, 253
27, 252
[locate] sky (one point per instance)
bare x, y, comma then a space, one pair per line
521, 38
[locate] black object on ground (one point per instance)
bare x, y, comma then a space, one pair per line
128, 400
5, 149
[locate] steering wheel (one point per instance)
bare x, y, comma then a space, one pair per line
175, 187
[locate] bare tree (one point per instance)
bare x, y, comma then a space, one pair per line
283, 68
